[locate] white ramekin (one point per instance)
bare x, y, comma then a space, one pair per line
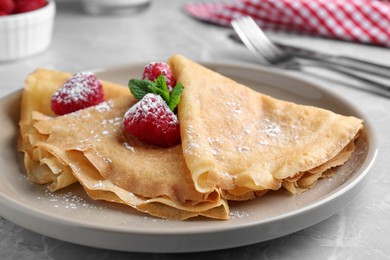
25, 34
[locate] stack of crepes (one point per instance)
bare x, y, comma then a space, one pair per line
237, 144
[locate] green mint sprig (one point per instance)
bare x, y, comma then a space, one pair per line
140, 87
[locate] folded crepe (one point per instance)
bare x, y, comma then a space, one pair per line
90, 146
246, 143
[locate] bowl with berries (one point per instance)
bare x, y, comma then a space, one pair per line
25, 27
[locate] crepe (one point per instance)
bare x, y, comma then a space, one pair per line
247, 143
90, 146
39, 87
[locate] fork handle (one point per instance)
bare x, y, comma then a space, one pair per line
357, 64
339, 60
380, 88
348, 62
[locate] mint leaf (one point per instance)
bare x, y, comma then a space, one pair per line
161, 88
140, 87
175, 96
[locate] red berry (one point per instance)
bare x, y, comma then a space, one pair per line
82, 90
151, 121
23, 6
6, 7
155, 69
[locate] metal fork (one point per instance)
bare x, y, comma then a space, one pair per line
259, 44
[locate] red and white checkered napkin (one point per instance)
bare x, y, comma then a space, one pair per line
365, 21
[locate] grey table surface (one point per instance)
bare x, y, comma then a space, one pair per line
359, 231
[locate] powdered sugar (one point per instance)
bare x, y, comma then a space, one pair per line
99, 185
234, 107
238, 214
271, 132
151, 106
270, 128
128, 146
243, 149
112, 121
67, 200
246, 137
192, 145
103, 107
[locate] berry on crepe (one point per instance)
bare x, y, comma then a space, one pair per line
153, 119
153, 122
82, 90
154, 69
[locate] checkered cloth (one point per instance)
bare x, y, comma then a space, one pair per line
364, 21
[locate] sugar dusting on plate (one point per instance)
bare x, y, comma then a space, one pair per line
67, 200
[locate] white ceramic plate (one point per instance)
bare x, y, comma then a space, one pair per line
71, 216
